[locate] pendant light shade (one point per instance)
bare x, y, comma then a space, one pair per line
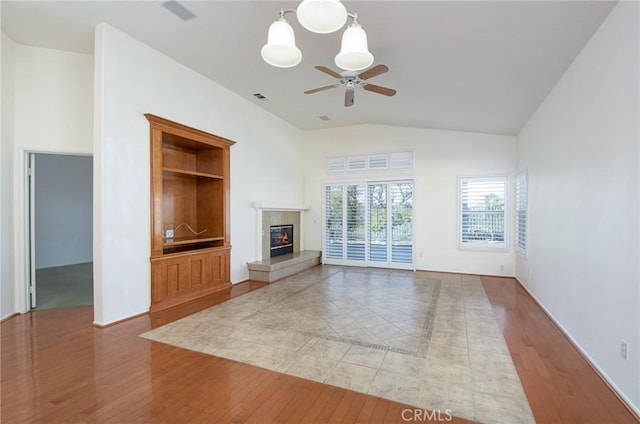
354, 54
281, 50
322, 16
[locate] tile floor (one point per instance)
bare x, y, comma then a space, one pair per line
422, 338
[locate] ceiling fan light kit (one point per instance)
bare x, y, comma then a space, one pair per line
354, 54
322, 17
281, 50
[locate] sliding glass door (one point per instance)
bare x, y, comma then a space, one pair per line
369, 224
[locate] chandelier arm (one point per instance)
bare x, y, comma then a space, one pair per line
285, 11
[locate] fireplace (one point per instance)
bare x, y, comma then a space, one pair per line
281, 240
277, 214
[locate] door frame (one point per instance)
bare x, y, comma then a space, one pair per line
366, 262
26, 289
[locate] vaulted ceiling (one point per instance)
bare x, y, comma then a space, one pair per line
469, 66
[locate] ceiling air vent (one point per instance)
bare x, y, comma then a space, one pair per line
259, 96
179, 10
324, 118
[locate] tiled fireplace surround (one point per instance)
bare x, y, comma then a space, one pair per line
273, 269
270, 218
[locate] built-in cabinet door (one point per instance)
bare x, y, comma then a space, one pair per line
180, 277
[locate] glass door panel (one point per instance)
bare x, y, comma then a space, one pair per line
355, 217
334, 217
401, 222
378, 223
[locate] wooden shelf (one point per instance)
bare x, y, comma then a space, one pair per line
192, 173
178, 241
189, 184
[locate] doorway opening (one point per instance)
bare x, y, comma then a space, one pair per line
60, 216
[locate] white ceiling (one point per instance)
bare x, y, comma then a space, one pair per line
469, 66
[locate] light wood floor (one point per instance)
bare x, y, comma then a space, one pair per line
57, 368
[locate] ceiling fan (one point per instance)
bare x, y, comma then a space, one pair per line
351, 81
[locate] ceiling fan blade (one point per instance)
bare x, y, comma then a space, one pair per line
348, 98
375, 71
329, 71
380, 90
315, 90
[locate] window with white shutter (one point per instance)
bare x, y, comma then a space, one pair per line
378, 162
333, 222
373, 162
336, 164
400, 160
521, 213
483, 213
369, 224
356, 163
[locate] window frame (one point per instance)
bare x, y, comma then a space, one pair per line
504, 246
368, 262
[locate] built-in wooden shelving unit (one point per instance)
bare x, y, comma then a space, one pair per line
190, 234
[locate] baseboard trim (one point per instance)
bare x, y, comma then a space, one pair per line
8, 317
603, 375
98, 325
463, 273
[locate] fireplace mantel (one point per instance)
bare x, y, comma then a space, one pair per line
280, 206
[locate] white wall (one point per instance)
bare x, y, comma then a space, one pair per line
440, 158
52, 113
63, 210
581, 149
7, 292
133, 79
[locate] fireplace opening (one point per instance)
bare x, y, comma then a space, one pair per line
281, 241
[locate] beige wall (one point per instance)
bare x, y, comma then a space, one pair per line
440, 157
581, 151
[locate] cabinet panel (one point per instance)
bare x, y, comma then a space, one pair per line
179, 278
